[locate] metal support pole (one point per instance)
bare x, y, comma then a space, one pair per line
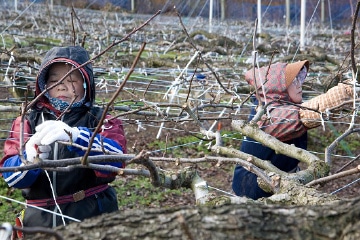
302, 25
322, 11
210, 14
223, 6
287, 6
132, 6
259, 16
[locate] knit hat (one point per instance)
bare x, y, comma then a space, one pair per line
293, 69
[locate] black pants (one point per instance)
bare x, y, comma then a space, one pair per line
103, 202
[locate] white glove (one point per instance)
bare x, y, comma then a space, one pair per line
52, 131
44, 151
33, 149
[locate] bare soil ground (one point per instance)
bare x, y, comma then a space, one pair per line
221, 177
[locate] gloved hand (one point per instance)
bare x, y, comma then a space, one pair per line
352, 82
44, 151
33, 149
51, 131
333, 97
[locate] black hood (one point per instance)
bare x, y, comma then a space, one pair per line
74, 55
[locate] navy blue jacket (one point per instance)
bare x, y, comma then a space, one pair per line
245, 182
35, 183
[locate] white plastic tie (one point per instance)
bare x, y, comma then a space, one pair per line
103, 128
322, 122
140, 126
202, 184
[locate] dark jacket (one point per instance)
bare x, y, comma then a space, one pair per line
245, 182
284, 124
36, 183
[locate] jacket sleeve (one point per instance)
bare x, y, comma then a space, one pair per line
113, 129
12, 143
11, 157
284, 123
111, 138
19, 179
332, 98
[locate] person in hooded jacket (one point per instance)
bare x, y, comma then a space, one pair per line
288, 121
79, 193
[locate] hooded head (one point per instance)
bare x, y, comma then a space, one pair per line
293, 69
276, 78
75, 56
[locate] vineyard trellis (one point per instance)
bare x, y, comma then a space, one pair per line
186, 89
